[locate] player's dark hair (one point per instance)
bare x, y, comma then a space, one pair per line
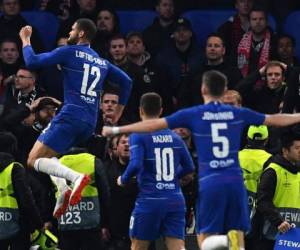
291, 38
88, 27
151, 104
215, 81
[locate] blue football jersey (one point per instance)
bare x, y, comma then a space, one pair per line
84, 73
216, 130
158, 159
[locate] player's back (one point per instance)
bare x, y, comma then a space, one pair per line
165, 159
84, 72
216, 129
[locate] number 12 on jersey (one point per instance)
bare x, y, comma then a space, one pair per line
164, 161
94, 71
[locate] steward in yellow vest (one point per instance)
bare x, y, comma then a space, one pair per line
278, 195
81, 225
19, 214
253, 159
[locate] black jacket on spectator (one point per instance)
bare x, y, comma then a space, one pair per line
122, 200
291, 100
180, 67
263, 99
157, 37
139, 87
10, 28
232, 73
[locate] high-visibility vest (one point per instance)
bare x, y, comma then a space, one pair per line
9, 211
252, 162
85, 214
286, 199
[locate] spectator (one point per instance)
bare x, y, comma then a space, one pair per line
153, 76
10, 59
81, 226
286, 46
118, 54
22, 92
108, 25
16, 200
122, 199
180, 61
232, 97
11, 22
158, 34
236, 26
215, 60
253, 160
257, 45
269, 97
291, 100
282, 175
78, 9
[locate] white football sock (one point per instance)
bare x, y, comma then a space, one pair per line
215, 242
55, 168
60, 183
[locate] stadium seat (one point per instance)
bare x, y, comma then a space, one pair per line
47, 25
291, 27
205, 22
135, 20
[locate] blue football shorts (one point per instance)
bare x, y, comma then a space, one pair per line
62, 133
152, 218
221, 208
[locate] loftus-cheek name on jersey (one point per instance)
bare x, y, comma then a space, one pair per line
90, 58
162, 138
218, 116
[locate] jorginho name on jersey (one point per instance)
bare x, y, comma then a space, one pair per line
216, 132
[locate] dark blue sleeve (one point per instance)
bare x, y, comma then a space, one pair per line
119, 77
136, 157
251, 117
33, 60
186, 161
179, 119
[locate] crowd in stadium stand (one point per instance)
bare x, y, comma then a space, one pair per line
260, 63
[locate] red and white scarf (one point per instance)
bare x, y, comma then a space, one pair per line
244, 51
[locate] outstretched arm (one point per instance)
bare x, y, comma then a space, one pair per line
33, 60
281, 120
138, 127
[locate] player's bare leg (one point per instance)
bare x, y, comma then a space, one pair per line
174, 243
40, 158
139, 244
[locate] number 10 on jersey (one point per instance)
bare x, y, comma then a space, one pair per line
164, 161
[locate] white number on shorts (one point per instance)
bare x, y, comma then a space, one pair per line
164, 160
223, 150
95, 71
